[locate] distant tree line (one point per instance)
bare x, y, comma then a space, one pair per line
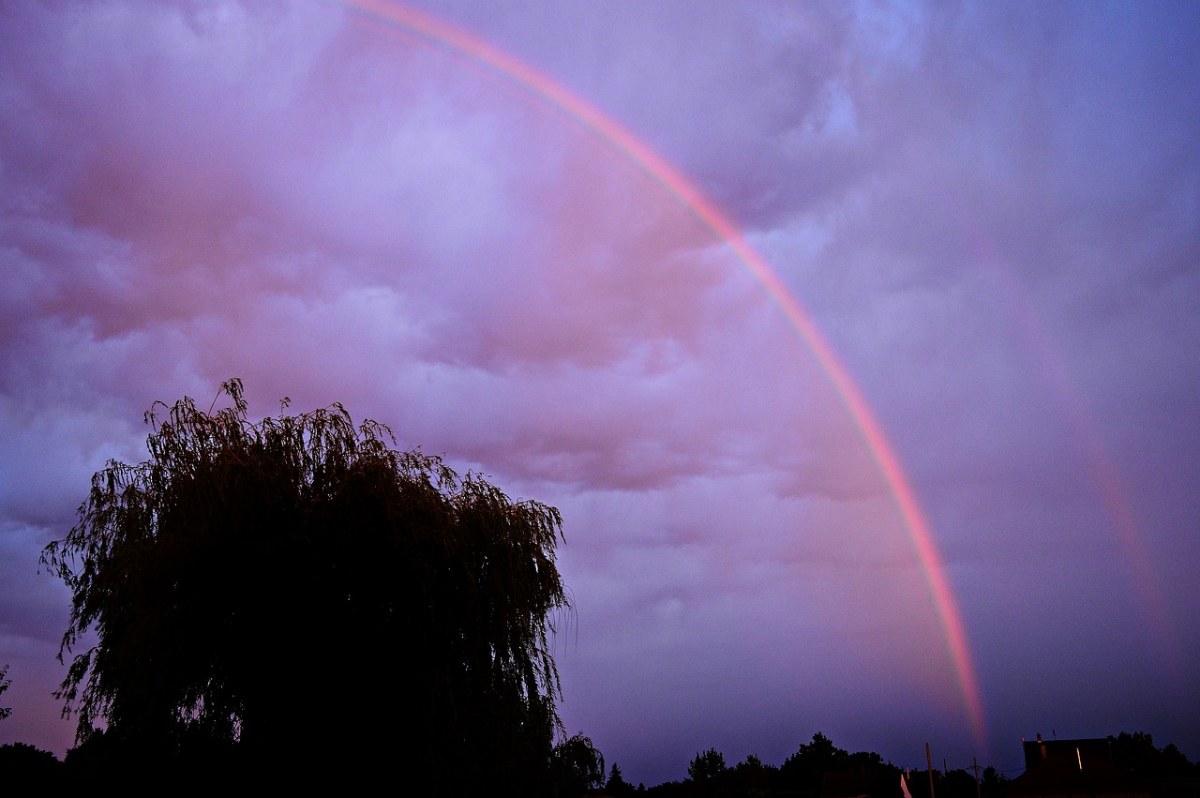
820, 768
577, 769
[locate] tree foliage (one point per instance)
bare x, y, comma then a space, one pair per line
706, 766
4, 683
616, 785
752, 776
578, 766
26, 770
1137, 754
298, 590
812, 760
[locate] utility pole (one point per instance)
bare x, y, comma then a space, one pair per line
929, 764
975, 767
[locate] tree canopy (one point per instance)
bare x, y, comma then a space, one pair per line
813, 759
578, 766
297, 591
707, 765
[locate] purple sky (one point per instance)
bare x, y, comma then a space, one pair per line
991, 212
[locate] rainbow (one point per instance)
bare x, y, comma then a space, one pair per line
1103, 471
628, 145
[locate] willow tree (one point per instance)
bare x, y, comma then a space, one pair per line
300, 593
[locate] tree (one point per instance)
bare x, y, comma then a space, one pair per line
1137, 754
752, 777
578, 765
616, 785
706, 766
4, 683
807, 766
297, 592
993, 781
26, 770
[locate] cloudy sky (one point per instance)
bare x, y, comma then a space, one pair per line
857, 343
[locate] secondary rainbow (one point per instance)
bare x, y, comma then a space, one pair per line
547, 90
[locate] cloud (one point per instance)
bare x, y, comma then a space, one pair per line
989, 212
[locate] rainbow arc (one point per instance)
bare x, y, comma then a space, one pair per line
629, 146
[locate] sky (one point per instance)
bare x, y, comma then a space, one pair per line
856, 342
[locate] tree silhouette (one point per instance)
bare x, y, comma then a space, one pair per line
752, 777
4, 683
297, 594
26, 770
578, 766
616, 785
1137, 754
706, 766
806, 767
